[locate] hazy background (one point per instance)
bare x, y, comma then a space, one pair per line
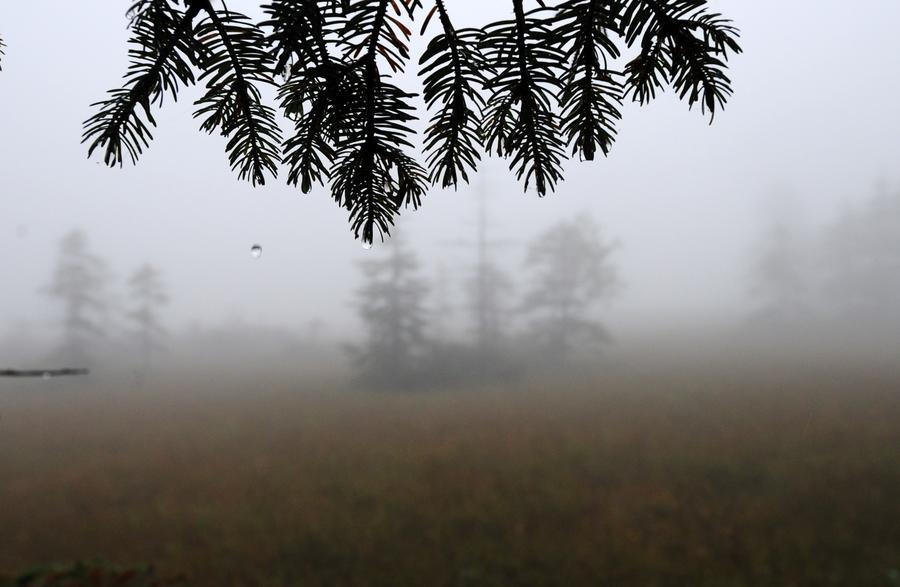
813, 129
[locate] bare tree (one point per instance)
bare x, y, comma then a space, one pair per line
441, 310
79, 284
148, 296
571, 274
487, 289
391, 304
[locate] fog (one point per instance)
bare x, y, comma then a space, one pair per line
681, 368
721, 232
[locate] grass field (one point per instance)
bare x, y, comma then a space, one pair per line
690, 478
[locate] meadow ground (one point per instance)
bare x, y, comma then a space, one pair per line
705, 477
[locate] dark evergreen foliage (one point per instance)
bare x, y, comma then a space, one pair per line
234, 64
532, 88
520, 122
451, 71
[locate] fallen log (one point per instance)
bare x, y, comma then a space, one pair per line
42, 373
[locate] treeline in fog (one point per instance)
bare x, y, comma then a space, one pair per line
95, 313
492, 310
838, 283
420, 324
546, 322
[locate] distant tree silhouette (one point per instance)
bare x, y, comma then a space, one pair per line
862, 260
780, 282
314, 330
78, 283
441, 311
547, 82
488, 290
148, 296
392, 308
571, 273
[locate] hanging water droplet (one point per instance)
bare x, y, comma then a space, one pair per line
256, 251
367, 245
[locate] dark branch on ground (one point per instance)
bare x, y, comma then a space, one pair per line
42, 372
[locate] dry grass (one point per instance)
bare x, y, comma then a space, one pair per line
677, 479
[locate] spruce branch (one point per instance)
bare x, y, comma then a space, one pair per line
320, 94
162, 49
236, 63
374, 177
322, 101
297, 33
682, 44
451, 68
519, 121
534, 89
592, 94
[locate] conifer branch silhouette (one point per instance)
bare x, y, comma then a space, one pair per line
374, 176
451, 71
162, 48
236, 62
592, 93
536, 88
520, 122
684, 45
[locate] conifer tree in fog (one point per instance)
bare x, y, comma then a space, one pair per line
570, 275
391, 304
79, 285
148, 296
780, 277
862, 262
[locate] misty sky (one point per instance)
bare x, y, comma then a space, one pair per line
813, 123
